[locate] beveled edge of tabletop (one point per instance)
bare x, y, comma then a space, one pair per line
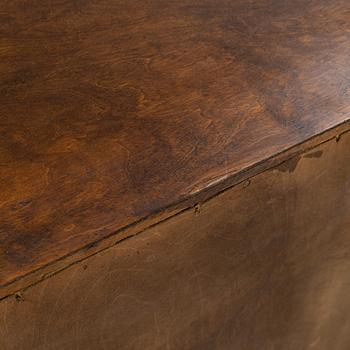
192, 202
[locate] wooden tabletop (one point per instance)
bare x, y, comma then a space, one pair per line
112, 110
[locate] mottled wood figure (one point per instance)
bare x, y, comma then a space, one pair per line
175, 174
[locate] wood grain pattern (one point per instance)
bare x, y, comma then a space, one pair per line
111, 110
262, 266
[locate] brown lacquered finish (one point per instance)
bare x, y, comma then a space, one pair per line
111, 111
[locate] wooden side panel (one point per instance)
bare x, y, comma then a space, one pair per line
264, 265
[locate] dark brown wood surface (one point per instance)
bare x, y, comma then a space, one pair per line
111, 111
263, 266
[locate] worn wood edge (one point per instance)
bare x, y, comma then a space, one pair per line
214, 188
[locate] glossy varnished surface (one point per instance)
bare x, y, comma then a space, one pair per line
112, 110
